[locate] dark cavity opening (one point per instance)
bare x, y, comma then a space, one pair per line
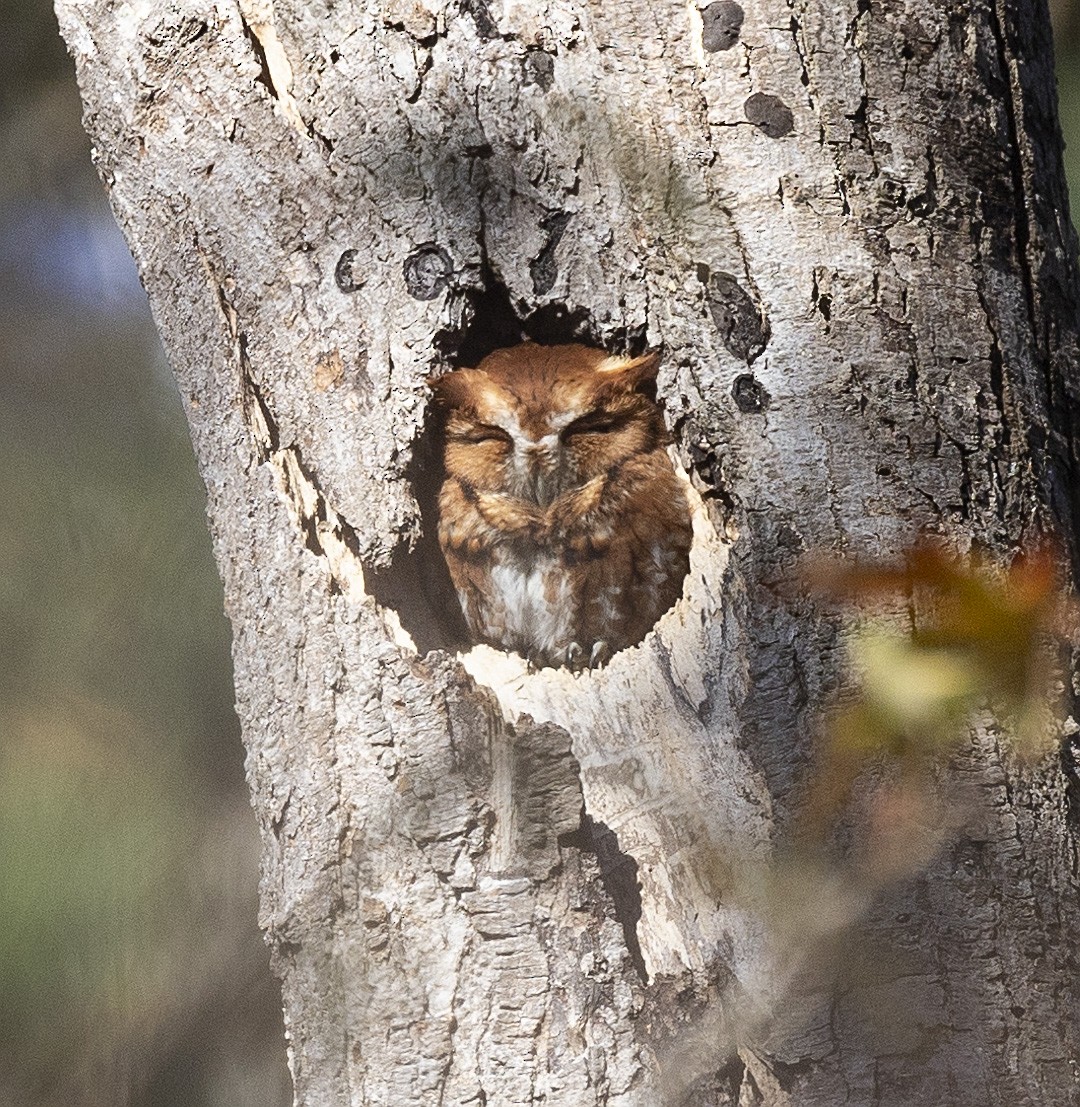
492, 321
416, 584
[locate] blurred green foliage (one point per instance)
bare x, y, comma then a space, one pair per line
128, 852
131, 967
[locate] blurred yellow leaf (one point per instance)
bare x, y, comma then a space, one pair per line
912, 689
980, 638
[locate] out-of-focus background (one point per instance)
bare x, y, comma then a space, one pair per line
132, 973
1065, 15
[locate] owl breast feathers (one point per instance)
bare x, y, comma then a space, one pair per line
562, 521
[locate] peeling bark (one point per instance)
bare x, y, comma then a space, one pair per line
846, 227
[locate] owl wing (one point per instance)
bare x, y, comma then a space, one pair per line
625, 541
472, 528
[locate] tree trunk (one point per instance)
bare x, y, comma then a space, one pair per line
845, 226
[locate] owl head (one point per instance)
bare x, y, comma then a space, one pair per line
537, 421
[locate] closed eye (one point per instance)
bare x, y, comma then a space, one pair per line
596, 422
480, 432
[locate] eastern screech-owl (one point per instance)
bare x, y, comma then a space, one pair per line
563, 523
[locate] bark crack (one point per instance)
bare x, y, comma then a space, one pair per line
860, 118
997, 390
797, 37
1017, 168
276, 74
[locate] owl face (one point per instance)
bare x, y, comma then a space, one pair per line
538, 421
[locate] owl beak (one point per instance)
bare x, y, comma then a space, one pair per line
541, 469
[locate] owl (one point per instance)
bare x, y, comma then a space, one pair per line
561, 518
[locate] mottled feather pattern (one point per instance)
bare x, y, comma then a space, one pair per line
563, 524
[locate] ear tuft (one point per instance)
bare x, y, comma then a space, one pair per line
446, 388
458, 388
631, 371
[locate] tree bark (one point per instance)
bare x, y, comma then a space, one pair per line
846, 227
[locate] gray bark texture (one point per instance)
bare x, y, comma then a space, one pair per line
845, 225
